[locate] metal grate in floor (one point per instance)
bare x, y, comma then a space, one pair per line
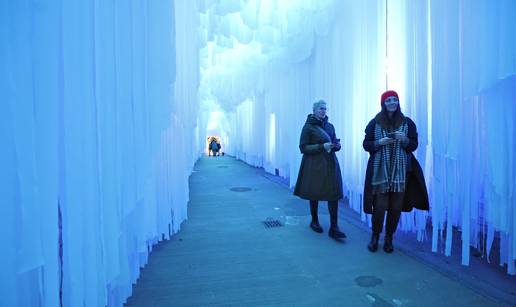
368, 281
272, 223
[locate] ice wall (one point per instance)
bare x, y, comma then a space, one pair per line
99, 108
453, 64
473, 68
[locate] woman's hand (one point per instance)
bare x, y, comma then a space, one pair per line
400, 136
328, 146
336, 145
385, 141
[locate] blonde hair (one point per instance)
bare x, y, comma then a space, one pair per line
317, 104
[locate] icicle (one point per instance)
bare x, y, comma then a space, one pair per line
511, 270
435, 238
503, 249
490, 239
451, 199
465, 232
449, 229
421, 225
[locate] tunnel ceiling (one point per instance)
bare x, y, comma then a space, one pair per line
240, 39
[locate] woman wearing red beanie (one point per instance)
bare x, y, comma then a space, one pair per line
394, 180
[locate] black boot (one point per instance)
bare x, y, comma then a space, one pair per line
387, 244
315, 217
373, 245
335, 233
316, 227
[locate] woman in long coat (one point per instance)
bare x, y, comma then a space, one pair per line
319, 174
394, 181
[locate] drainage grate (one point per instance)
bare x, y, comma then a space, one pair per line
272, 223
368, 281
240, 189
222, 166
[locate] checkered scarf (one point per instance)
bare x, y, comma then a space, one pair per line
390, 163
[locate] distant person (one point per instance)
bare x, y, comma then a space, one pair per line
319, 176
214, 147
394, 180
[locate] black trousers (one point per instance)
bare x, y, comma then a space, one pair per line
392, 202
332, 209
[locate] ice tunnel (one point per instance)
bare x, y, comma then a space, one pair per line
107, 106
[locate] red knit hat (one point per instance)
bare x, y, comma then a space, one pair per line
388, 94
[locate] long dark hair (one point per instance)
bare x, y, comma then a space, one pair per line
392, 123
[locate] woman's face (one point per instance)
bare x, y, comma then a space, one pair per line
320, 112
391, 104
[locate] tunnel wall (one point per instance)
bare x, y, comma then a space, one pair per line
453, 65
98, 137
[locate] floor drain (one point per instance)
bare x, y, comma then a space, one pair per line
222, 166
241, 189
272, 223
368, 281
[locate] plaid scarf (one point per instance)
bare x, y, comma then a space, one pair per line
390, 163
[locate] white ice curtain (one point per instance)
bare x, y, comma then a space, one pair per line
473, 89
336, 52
452, 62
90, 130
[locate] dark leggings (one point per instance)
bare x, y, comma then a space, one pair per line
392, 202
332, 208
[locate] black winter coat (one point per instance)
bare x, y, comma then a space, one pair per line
416, 195
319, 175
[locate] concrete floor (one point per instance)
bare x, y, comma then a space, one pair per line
224, 255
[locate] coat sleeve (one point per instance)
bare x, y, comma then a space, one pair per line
412, 135
305, 146
368, 143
